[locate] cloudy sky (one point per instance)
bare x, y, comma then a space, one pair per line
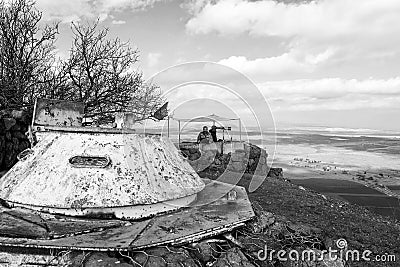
329, 63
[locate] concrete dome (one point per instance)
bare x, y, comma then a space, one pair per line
103, 168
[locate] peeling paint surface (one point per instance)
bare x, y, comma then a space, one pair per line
142, 169
58, 112
204, 218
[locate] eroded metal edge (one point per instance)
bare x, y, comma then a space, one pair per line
243, 214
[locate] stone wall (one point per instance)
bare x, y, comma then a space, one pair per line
13, 126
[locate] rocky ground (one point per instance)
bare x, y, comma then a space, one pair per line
289, 217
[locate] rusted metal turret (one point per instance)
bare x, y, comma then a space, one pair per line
79, 186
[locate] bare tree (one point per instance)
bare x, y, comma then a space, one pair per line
100, 71
102, 75
26, 53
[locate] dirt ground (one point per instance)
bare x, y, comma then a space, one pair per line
336, 219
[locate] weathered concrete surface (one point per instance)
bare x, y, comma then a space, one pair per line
58, 112
141, 170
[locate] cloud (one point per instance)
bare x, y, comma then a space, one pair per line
353, 30
118, 22
72, 10
318, 20
332, 94
294, 61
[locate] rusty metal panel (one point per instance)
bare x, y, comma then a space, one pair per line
205, 217
12, 226
109, 239
49, 112
19, 222
124, 212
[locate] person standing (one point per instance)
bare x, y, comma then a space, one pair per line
204, 136
213, 132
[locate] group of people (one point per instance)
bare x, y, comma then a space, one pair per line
207, 136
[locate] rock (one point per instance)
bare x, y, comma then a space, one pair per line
262, 221
304, 229
277, 228
275, 172
233, 258
9, 122
103, 260
204, 251
254, 151
252, 244
144, 259
266, 219
163, 256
